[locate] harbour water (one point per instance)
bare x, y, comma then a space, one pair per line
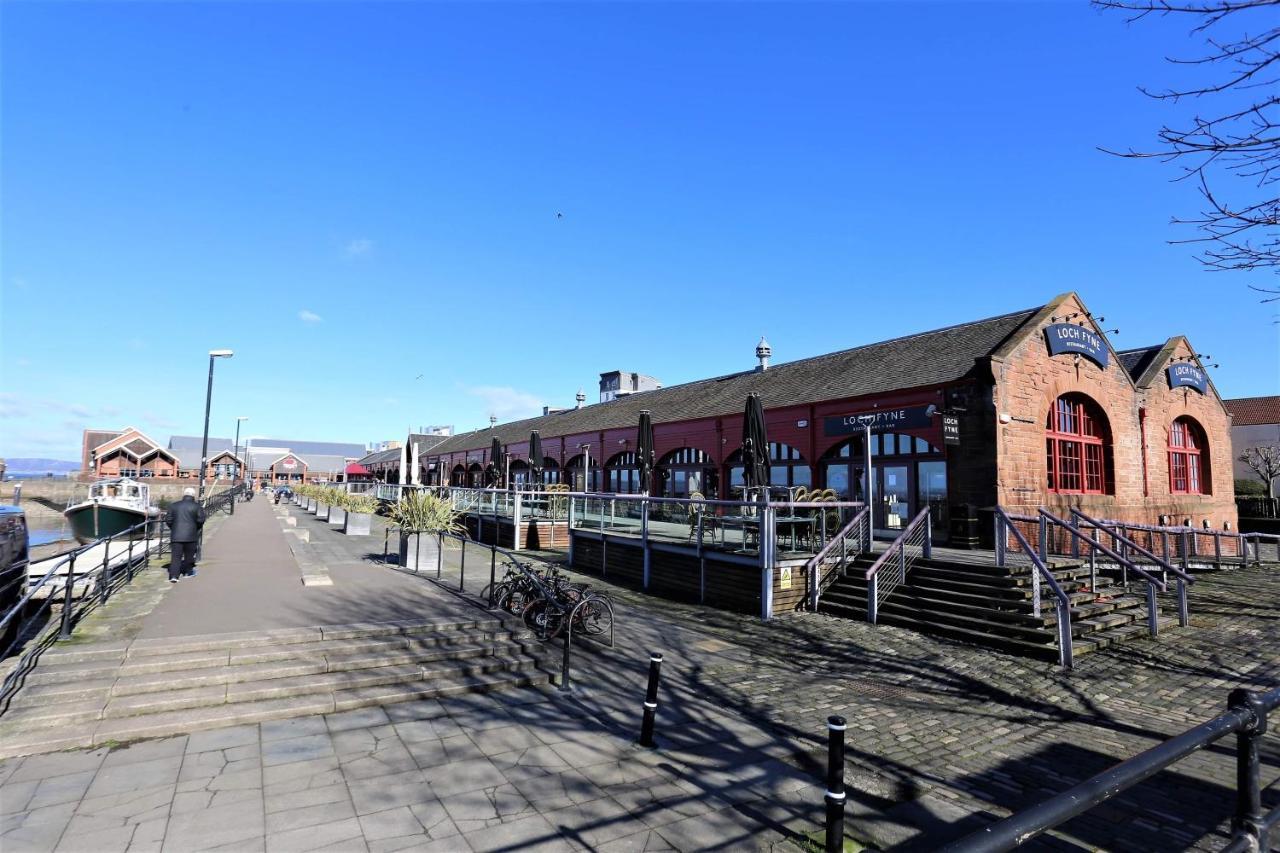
44, 531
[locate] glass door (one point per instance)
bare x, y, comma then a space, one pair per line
931, 491
893, 497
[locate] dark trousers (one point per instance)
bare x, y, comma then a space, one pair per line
183, 559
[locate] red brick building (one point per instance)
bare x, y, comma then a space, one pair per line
1040, 411
125, 453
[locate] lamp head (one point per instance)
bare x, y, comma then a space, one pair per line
220, 353
243, 418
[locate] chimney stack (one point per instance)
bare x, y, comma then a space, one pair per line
763, 351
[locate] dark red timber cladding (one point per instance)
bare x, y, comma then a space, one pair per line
675, 576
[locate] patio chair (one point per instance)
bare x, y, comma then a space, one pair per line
698, 509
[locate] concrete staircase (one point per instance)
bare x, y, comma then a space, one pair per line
89, 696
991, 606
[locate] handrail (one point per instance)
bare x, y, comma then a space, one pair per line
1132, 566
874, 592
1129, 543
1066, 654
811, 567
1246, 717
66, 622
875, 567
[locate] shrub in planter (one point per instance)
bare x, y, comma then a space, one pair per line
360, 510
421, 517
337, 508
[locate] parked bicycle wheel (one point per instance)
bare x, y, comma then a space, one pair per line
594, 616
544, 619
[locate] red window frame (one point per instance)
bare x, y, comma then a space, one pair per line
1076, 447
1188, 474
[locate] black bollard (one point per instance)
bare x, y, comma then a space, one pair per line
651, 702
835, 784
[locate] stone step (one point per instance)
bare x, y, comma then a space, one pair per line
52, 670
24, 739
48, 714
57, 687
909, 597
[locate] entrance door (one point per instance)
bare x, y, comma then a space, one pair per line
893, 497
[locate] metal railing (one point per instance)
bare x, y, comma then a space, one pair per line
1005, 524
60, 582
1251, 828
832, 561
224, 500
1129, 553
890, 569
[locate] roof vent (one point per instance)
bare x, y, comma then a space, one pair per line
763, 351
581, 397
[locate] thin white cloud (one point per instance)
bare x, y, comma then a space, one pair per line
358, 247
309, 317
155, 420
506, 402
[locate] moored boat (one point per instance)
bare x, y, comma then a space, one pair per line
113, 506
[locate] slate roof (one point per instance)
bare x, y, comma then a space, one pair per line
1135, 361
927, 358
1253, 411
382, 456
187, 449
424, 442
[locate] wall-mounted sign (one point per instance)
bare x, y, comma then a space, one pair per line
950, 429
289, 462
1189, 376
882, 420
1069, 338
784, 581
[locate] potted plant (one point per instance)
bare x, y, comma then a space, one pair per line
360, 510
322, 503
422, 518
337, 508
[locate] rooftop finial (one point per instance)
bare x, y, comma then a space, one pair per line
581, 397
493, 421
763, 351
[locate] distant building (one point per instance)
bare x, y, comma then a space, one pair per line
125, 453
1255, 422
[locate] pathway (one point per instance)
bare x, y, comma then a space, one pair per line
250, 580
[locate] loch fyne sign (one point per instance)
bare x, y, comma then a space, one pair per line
1189, 376
882, 420
1068, 338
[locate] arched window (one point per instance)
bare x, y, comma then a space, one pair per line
574, 475
519, 473
622, 474
1188, 458
458, 478
685, 471
550, 470
787, 467
1077, 447
475, 475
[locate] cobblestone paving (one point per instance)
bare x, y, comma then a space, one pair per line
933, 721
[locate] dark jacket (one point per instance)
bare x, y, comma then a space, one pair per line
185, 519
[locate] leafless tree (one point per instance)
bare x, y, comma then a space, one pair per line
1265, 462
1234, 133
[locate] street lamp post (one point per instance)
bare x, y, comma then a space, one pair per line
866, 421
208, 400
239, 477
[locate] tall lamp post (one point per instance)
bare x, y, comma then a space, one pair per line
239, 477
867, 421
208, 400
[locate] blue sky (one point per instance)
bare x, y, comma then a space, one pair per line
351, 196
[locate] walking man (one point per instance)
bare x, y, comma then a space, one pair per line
186, 518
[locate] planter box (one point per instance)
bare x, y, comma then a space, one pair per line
322, 511
311, 504
358, 524
337, 517
419, 551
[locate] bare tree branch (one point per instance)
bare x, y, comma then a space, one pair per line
1239, 220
